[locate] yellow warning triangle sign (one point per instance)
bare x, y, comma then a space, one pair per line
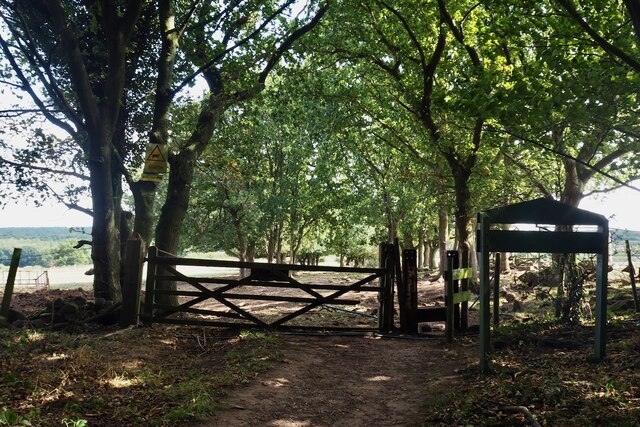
155, 164
156, 155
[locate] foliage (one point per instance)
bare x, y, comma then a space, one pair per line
45, 247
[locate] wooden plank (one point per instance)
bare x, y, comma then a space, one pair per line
169, 308
282, 298
545, 242
462, 273
274, 285
432, 314
239, 325
462, 296
132, 282
159, 260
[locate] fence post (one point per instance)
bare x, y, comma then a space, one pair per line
632, 277
11, 278
149, 297
464, 286
496, 291
385, 314
409, 305
448, 295
132, 282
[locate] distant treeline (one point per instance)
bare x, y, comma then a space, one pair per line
43, 233
44, 246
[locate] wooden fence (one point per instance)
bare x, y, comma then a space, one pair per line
228, 291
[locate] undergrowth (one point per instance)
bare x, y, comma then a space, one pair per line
145, 377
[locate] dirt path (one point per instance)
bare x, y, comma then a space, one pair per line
347, 381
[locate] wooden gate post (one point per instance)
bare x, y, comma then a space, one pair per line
385, 313
448, 294
409, 304
149, 297
464, 286
453, 263
132, 282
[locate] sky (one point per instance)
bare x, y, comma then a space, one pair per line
621, 207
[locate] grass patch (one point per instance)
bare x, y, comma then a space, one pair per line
145, 377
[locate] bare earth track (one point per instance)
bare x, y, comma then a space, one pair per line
347, 381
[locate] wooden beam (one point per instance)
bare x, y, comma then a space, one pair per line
547, 242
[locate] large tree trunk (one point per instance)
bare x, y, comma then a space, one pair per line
463, 202
431, 260
105, 251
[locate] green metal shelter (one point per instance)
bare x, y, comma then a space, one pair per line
542, 212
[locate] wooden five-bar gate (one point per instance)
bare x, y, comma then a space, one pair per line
228, 291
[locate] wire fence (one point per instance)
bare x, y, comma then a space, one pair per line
39, 279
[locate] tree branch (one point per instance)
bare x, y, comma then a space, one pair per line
568, 6
530, 175
564, 155
224, 52
44, 169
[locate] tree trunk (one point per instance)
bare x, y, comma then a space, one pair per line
463, 201
173, 213
421, 249
443, 237
432, 255
105, 249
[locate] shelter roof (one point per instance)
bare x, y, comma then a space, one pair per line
544, 211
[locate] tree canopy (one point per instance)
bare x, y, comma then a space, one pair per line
315, 127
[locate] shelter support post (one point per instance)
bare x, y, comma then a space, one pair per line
485, 319
601, 295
